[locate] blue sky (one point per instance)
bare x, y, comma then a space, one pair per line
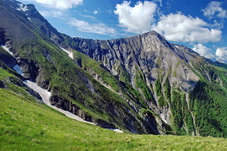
198, 24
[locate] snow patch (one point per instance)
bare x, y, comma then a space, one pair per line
45, 95
71, 115
7, 49
22, 8
163, 117
177, 46
116, 130
70, 53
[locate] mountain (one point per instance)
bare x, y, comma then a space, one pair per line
142, 84
176, 83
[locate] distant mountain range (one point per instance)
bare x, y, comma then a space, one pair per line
142, 84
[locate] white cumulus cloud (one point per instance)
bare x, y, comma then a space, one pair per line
136, 19
214, 9
181, 28
92, 28
221, 54
203, 51
52, 13
60, 4
95, 12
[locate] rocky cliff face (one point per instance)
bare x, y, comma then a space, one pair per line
149, 52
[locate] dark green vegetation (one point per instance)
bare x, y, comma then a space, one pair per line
210, 109
141, 84
26, 124
209, 101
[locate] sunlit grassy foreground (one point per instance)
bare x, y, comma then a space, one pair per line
29, 125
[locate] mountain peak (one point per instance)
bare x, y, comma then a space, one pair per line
156, 34
152, 32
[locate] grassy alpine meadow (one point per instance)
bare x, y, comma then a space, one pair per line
27, 124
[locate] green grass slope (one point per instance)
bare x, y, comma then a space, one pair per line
26, 124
